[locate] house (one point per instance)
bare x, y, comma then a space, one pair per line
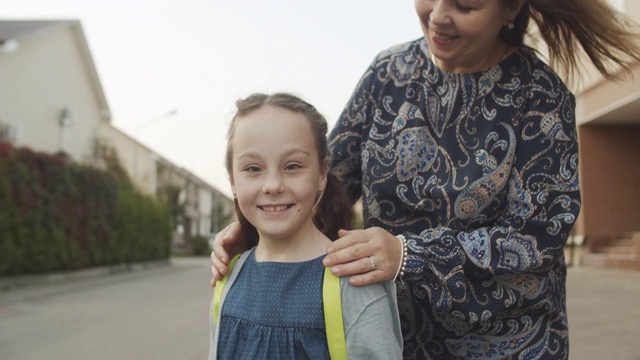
51, 100
137, 159
608, 118
203, 208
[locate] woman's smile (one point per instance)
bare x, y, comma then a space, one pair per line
442, 39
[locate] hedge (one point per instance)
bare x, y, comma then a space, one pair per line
58, 215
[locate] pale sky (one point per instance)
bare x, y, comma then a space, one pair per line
199, 56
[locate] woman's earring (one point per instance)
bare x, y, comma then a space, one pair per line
510, 25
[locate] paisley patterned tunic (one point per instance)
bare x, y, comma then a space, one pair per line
479, 172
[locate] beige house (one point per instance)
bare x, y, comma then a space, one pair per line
137, 159
51, 100
608, 117
50, 96
205, 209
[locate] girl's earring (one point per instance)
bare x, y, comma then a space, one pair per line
510, 25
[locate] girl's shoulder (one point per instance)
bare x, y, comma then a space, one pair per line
236, 263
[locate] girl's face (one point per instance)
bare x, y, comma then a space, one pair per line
463, 34
276, 173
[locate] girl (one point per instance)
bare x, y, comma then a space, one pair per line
289, 206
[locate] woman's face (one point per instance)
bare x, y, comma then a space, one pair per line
463, 34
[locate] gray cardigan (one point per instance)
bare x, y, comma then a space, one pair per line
370, 316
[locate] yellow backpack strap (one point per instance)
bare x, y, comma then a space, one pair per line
217, 291
334, 325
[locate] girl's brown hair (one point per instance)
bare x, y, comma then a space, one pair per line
609, 39
333, 210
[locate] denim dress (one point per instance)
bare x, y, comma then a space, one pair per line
274, 311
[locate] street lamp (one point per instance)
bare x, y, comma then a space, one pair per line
168, 114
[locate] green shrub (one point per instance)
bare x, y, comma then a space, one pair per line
57, 215
200, 246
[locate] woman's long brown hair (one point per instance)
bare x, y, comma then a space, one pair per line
609, 39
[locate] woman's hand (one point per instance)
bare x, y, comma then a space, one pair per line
219, 255
367, 256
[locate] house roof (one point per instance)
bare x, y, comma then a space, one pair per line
164, 162
20, 29
188, 175
14, 31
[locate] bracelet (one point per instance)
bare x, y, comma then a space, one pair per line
403, 261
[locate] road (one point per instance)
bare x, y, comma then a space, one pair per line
152, 314
161, 314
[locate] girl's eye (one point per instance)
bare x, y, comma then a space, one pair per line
252, 169
292, 166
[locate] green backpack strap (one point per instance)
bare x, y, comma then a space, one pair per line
217, 291
332, 303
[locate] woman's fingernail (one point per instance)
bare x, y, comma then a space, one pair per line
330, 249
335, 271
326, 261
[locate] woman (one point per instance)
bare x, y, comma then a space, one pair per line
463, 148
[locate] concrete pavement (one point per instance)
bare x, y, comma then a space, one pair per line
158, 314
161, 313
603, 306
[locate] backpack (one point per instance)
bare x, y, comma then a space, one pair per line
331, 303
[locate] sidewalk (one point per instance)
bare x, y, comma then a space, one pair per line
604, 313
21, 288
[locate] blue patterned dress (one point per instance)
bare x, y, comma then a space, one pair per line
479, 171
274, 311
